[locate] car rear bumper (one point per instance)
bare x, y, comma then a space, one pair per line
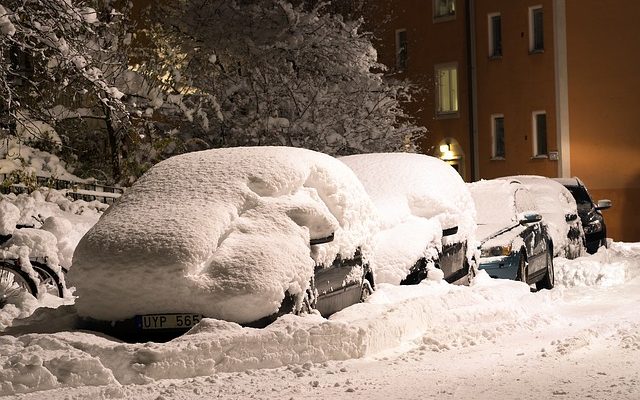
502, 267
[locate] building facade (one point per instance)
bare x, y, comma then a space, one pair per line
509, 87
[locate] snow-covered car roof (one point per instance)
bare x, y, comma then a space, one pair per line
417, 196
222, 232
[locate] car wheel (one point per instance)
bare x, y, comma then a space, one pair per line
549, 277
13, 281
522, 268
366, 290
49, 278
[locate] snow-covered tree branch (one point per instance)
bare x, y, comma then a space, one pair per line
267, 72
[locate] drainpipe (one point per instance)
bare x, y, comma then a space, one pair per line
472, 87
561, 87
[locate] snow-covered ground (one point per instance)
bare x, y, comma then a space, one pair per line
494, 339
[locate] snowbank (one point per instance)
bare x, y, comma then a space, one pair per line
608, 267
429, 317
417, 196
223, 233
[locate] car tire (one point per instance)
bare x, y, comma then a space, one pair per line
49, 278
522, 268
548, 280
366, 290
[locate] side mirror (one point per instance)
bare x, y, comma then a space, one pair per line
603, 204
449, 231
529, 218
570, 217
322, 240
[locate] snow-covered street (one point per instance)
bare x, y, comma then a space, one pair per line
494, 339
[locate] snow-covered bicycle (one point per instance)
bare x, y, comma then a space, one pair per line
15, 278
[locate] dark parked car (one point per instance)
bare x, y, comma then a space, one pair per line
592, 220
559, 211
515, 242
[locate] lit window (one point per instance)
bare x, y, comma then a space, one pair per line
497, 136
444, 8
536, 25
539, 133
401, 49
447, 88
495, 35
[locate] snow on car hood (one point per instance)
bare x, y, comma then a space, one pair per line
417, 196
221, 232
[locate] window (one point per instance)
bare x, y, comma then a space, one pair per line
539, 134
497, 136
444, 8
447, 88
536, 35
401, 49
495, 35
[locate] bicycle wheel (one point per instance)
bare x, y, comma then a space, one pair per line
49, 278
13, 281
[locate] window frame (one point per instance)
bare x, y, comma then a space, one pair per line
443, 17
402, 63
535, 133
533, 45
450, 113
494, 143
491, 32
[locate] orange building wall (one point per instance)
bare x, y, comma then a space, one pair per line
603, 43
429, 43
515, 85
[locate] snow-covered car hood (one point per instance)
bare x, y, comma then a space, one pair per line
485, 233
222, 232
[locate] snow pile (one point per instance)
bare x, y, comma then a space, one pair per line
608, 267
420, 319
417, 196
222, 232
434, 316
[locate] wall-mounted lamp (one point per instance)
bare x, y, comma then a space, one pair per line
444, 148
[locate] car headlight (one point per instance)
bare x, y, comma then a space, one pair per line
495, 251
593, 226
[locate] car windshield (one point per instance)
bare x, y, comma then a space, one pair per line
582, 197
495, 203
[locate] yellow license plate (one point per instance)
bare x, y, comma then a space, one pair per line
168, 321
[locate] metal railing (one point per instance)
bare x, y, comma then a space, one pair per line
74, 190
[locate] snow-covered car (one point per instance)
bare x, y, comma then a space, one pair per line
590, 213
515, 242
428, 216
559, 211
237, 234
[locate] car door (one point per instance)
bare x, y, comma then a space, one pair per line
533, 235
